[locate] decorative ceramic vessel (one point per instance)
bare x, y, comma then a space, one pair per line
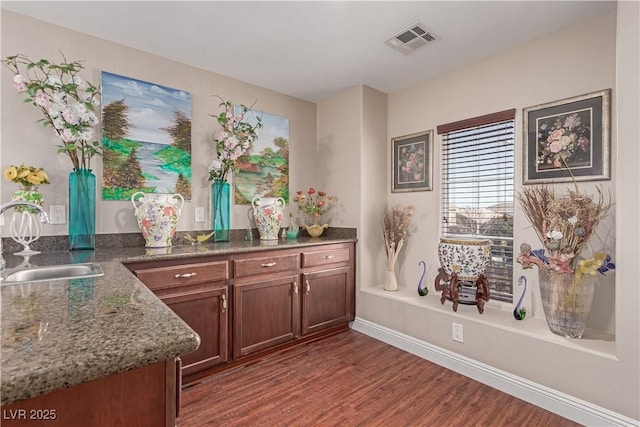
566, 301
466, 258
157, 216
268, 213
315, 230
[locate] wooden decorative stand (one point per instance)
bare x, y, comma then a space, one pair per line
451, 288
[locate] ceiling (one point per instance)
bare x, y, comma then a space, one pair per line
315, 49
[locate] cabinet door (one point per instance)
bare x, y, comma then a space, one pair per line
265, 314
206, 312
326, 299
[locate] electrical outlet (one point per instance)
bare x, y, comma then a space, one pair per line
199, 214
57, 214
457, 332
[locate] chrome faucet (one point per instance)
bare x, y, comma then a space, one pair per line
44, 218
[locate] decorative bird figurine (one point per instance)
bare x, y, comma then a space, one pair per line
422, 291
520, 312
201, 238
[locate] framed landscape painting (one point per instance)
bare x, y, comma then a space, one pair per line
264, 171
568, 140
412, 162
146, 134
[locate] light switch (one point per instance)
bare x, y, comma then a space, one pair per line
199, 214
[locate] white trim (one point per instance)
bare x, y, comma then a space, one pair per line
552, 400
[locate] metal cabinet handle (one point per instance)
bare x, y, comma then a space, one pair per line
295, 288
328, 257
269, 264
185, 275
308, 287
224, 303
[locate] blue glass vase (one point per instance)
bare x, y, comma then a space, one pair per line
82, 210
220, 208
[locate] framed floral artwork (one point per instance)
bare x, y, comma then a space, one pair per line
568, 140
412, 162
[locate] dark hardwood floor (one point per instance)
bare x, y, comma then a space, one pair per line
350, 379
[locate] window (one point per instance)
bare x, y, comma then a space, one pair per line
478, 190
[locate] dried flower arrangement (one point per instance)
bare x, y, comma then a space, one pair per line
395, 229
564, 224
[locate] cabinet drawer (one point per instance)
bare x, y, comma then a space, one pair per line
264, 265
184, 274
330, 256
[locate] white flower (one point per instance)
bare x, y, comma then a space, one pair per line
215, 165
82, 85
70, 116
555, 235
58, 97
54, 81
573, 220
86, 135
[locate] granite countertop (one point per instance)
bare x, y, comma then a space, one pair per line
62, 333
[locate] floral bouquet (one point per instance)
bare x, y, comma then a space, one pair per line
26, 175
233, 141
66, 100
395, 229
565, 140
564, 225
29, 178
313, 203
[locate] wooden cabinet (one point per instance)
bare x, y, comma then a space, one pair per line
265, 314
198, 293
206, 311
326, 299
328, 287
139, 397
244, 305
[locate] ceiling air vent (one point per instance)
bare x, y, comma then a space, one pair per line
411, 38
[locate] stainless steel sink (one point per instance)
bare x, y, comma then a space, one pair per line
54, 272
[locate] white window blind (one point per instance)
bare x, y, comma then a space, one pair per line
478, 190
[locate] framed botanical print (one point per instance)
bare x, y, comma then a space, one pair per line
412, 162
568, 140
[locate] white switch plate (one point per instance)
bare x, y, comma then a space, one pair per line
457, 332
199, 214
57, 214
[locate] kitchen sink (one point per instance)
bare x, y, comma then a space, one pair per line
54, 272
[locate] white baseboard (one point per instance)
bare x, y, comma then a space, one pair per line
557, 402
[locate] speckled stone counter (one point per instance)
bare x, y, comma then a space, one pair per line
61, 333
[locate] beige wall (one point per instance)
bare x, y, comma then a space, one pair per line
349, 155
23, 140
602, 370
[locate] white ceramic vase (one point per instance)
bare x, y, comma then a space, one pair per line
268, 213
157, 216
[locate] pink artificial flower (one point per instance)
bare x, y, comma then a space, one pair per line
311, 190
555, 146
560, 263
555, 135
19, 83
572, 121
41, 99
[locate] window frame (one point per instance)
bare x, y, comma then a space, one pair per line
505, 260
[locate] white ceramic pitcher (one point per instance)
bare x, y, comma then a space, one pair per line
268, 213
157, 216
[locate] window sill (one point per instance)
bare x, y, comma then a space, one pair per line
497, 315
